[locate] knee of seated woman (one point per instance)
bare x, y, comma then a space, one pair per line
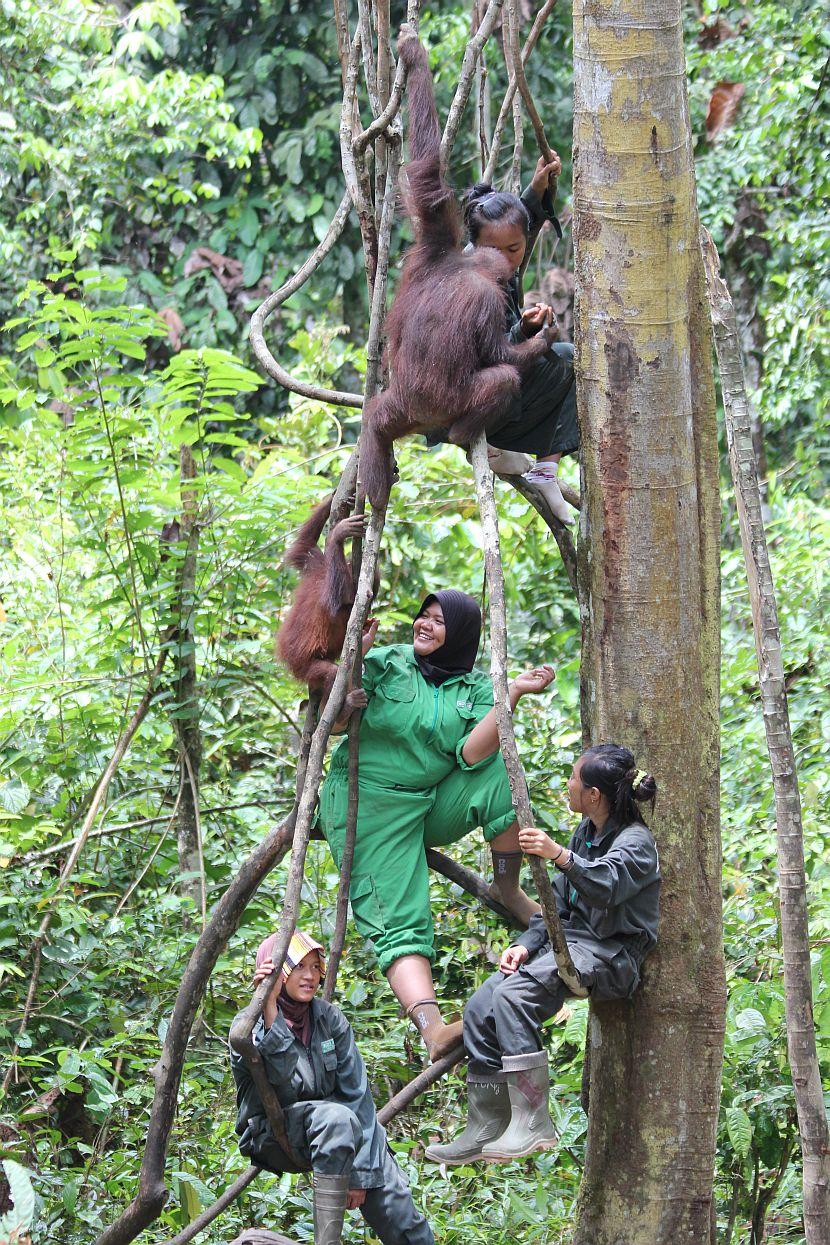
339, 1119
564, 350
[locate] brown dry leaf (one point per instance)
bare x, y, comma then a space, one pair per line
709, 36
175, 326
43, 1103
723, 106
227, 271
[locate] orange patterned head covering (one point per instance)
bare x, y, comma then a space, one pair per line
300, 946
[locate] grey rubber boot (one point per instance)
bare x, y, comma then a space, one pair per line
329, 1208
530, 1127
488, 1114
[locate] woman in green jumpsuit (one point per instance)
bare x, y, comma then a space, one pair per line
430, 772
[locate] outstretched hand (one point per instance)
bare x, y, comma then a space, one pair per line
545, 172
369, 633
531, 682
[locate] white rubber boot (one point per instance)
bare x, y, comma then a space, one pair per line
488, 1114
543, 476
530, 1128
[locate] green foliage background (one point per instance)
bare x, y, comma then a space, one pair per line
129, 138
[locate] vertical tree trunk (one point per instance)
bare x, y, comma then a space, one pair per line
792, 881
186, 701
648, 558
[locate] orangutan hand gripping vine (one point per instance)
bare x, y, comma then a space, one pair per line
311, 638
452, 364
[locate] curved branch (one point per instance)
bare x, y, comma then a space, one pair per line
320, 394
242, 1029
398, 1103
504, 718
504, 111
519, 74
152, 1192
465, 83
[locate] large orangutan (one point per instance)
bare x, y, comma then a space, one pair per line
310, 640
452, 364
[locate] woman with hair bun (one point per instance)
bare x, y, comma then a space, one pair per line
607, 889
542, 420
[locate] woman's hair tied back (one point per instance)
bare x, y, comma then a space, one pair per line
613, 771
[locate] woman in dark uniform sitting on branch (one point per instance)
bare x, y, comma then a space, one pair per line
310, 1057
607, 888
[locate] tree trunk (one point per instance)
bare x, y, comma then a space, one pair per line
186, 701
648, 564
745, 250
792, 881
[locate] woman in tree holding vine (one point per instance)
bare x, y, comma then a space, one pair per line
607, 888
542, 420
430, 772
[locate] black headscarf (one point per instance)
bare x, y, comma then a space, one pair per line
462, 619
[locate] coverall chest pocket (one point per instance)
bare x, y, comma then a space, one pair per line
398, 687
329, 1074
468, 713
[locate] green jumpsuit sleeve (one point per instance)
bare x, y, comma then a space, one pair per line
373, 664
481, 702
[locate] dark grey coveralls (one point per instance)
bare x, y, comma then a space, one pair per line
607, 902
330, 1119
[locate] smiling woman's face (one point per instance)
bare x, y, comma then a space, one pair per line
428, 630
303, 983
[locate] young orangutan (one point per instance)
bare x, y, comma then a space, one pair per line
453, 366
311, 638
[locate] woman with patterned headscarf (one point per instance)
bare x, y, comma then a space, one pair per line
311, 1059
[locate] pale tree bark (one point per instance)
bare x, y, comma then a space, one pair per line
746, 246
792, 881
186, 700
648, 563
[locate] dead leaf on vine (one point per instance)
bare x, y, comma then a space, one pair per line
709, 36
228, 272
175, 326
723, 106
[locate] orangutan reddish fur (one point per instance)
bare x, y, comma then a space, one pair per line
452, 363
311, 638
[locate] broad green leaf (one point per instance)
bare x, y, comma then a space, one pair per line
739, 1128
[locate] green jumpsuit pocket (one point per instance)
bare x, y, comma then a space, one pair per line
399, 687
366, 909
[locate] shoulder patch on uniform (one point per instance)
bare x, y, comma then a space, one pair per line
327, 1044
